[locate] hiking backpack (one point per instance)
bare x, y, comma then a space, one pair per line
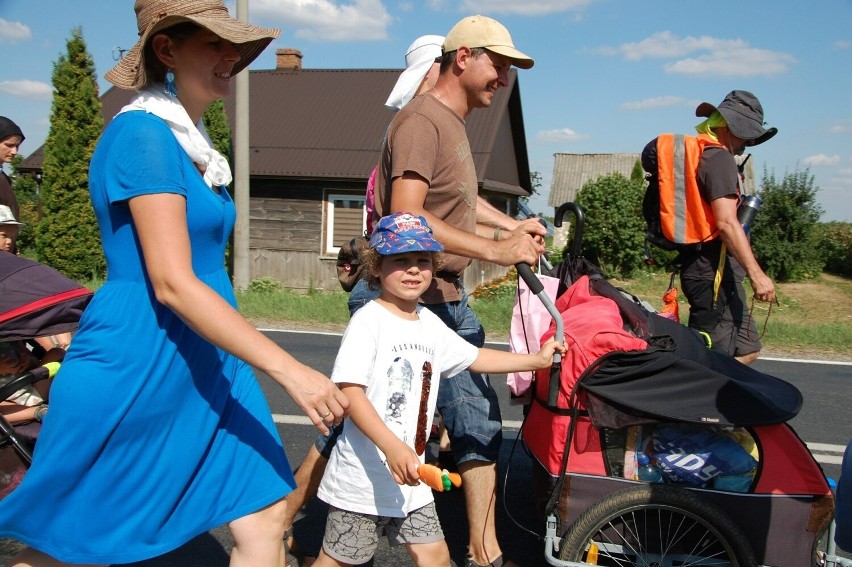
676, 215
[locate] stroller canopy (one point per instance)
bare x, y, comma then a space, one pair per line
36, 300
676, 378
692, 383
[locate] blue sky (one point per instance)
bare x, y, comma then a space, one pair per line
609, 74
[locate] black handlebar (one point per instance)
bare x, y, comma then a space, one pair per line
579, 224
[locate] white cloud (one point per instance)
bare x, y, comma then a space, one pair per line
842, 127
821, 159
842, 44
747, 62
666, 45
659, 102
560, 135
713, 56
325, 20
844, 177
27, 89
13, 32
522, 8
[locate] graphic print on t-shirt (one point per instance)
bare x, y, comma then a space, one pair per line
400, 375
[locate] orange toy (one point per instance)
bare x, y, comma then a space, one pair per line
439, 480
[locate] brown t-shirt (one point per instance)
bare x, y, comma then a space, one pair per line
429, 139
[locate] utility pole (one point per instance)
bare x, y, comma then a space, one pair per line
242, 265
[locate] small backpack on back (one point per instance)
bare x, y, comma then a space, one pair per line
651, 200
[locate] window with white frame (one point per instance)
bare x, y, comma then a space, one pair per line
345, 219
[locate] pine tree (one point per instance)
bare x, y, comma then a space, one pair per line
637, 173
27, 192
68, 237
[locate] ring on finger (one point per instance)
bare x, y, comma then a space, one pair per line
325, 415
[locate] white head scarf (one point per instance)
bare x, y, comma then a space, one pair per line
418, 60
193, 138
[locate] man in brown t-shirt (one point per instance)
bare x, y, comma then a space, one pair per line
427, 169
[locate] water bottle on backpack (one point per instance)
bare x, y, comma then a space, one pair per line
648, 471
747, 211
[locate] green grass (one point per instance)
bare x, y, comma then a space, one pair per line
813, 318
313, 308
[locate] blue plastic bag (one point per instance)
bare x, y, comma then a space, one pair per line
695, 455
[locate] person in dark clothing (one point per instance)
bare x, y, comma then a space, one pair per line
11, 138
737, 123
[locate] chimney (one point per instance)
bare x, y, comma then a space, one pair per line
288, 59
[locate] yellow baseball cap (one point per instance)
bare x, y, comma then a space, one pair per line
488, 33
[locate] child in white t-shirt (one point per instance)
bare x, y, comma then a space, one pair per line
390, 362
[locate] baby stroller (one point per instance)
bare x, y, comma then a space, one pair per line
737, 486
35, 301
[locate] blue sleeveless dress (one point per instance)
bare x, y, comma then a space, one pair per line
154, 435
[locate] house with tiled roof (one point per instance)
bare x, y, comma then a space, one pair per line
572, 171
315, 135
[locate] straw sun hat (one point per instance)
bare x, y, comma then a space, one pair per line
153, 16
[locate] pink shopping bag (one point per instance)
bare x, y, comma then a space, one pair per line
530, 320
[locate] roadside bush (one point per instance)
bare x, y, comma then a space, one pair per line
265, 285
504, 286
834, 240
784, 238
614, 233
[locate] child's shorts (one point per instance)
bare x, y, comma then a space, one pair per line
353, 538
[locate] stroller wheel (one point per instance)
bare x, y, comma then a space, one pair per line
656, 525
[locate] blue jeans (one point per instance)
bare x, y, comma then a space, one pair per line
360, 296
467, 401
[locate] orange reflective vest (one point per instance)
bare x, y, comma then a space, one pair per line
685, 217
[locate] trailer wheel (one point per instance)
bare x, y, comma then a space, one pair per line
656, 525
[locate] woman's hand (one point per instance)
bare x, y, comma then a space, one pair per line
320, 398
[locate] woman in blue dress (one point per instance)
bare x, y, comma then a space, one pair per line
158, 430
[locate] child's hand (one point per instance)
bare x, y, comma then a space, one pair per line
547, 351
403, 463
437, 479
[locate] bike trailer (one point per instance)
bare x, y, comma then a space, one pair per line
621, 392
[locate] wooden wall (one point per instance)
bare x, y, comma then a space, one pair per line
286, 238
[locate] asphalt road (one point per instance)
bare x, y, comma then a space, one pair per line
823, 423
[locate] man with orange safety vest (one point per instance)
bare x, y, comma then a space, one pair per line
711, 274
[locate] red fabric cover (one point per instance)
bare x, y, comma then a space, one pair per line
593, 328
786, 464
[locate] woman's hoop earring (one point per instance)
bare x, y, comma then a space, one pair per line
169, 86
